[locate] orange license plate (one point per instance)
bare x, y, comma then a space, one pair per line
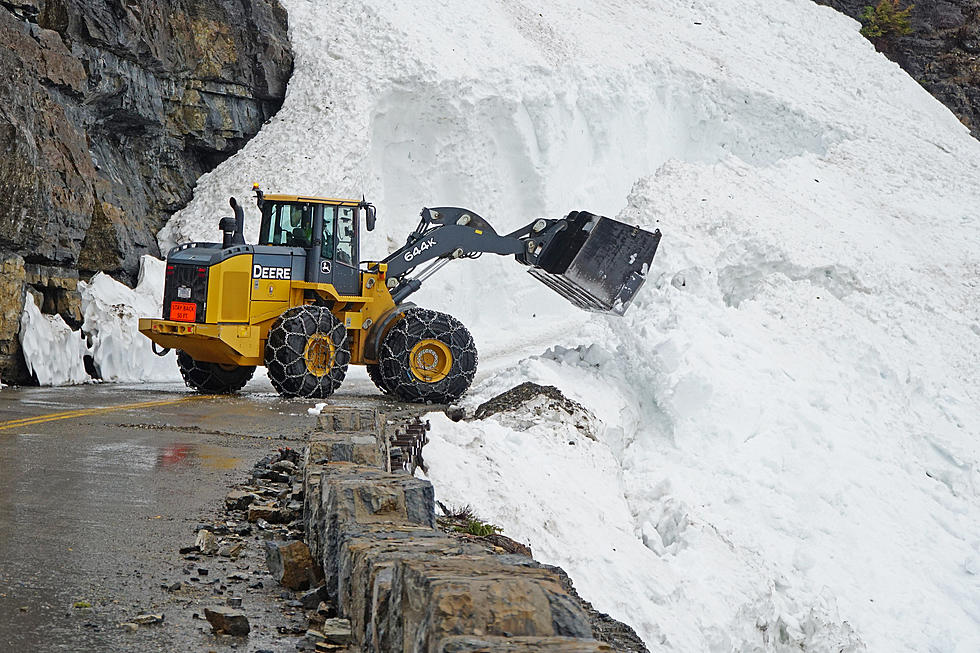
183, 311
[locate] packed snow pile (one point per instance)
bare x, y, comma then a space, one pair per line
54, 353
786, 420
109, 334
790, 417
112, 311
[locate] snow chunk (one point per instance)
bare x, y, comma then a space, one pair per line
53, 352
111, 324
317, 409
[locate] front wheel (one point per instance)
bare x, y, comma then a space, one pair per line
213, 377
307, 353
427, 357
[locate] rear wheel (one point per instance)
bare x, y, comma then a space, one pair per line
213, 377
374, 371
307, 352
427, 357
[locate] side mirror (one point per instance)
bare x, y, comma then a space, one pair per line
371, 218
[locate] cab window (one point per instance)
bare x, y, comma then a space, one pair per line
326, 249
289, 224
346, 219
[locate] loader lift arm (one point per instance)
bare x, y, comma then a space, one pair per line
448, 233
596, 263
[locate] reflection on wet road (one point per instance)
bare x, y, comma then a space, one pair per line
99, 487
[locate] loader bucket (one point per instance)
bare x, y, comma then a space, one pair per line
597, 263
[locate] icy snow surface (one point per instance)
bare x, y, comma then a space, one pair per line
52, 350
787, 453
111, 322
109, 333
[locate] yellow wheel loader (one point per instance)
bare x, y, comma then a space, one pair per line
302, 303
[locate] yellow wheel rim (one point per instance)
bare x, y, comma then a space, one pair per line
430, 361
319, 354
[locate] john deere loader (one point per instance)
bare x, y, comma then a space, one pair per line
303, 303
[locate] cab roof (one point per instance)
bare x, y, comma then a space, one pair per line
315, 200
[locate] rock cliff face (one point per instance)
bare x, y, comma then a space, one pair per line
109, 112
942, 53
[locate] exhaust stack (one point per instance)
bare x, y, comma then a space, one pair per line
233, 229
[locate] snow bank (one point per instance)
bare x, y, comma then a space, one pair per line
111, 323
790, 410
109, 333
52, 350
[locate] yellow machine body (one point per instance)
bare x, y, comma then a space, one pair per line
246, 291
239, 315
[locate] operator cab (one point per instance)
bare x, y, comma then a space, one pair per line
327, 231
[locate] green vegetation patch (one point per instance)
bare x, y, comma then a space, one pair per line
462, 520
887, 18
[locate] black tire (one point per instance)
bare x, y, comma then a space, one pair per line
374, 371
307, 353
213, 378
413, 361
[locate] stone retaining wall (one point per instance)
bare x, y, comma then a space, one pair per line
403, 584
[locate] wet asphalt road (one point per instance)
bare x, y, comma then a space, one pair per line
95, 504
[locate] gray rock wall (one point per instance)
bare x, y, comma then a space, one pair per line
109, 112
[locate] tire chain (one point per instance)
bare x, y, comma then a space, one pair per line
421, 324
285, 360
208, 377
374, 371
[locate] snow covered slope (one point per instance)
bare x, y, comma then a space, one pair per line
788, 453
517, 112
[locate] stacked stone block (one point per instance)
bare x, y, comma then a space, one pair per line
403, 584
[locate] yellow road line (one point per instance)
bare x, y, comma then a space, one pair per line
68, 414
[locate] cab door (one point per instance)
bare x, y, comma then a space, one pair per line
334, 251
345, 274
